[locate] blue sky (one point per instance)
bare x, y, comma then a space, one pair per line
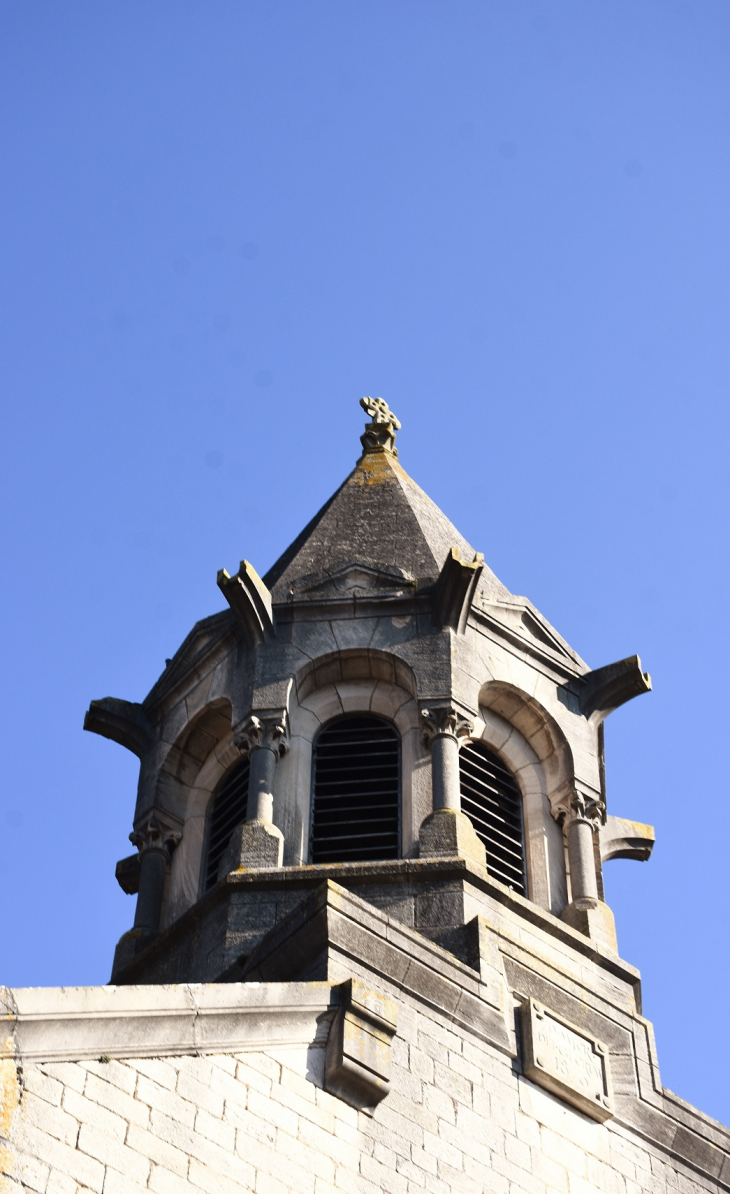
221, 224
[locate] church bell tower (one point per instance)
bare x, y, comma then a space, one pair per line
371, 950
377, 712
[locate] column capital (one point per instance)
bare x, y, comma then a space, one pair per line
264, 731
577, 806
156, 833
444, 720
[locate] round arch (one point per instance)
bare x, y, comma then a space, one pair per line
534, 748
357, 680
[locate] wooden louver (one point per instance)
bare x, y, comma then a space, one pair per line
492, 800
356, 797
228, 810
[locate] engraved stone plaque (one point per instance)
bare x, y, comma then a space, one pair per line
565, 1060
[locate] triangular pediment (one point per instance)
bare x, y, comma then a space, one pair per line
353, 577
201, 641
525, 625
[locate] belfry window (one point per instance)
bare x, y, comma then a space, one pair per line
492, 801
356, 791
228, 809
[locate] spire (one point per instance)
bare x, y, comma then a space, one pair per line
378, 516
380, 431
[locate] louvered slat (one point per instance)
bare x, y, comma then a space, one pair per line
227, 811
492, 800
356, 798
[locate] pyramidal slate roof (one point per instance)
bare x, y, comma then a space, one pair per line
378, 516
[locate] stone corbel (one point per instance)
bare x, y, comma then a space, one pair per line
608, 687
357, 1059
250, 600
124, 722
620, 838
455, 589
127, 873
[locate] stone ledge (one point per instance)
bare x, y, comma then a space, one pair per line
307, 878
77, 1023
427, 869
333, 930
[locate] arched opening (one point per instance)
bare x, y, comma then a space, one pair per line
356, 791
492, 801
227, 810
539, 729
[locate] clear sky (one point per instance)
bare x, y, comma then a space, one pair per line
221, 224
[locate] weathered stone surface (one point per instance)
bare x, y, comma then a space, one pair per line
357, 620
455, 589
357, 1062
564, 1060
594, 919
254, 844
130, 945
386, 516
208, 940
69, 1023
605, 689
246, 1086
250, 600
621, 838
122, 721
447, 833
332, 929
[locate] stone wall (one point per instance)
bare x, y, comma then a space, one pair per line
459, 1117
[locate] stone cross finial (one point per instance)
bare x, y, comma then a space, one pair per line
380, 431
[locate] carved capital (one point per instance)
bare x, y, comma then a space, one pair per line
444, 721
380, 431
264, 732
575, 805
155, 834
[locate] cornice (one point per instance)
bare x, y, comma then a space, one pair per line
44, 1024
426, 870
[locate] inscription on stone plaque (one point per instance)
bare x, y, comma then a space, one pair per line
566, 1061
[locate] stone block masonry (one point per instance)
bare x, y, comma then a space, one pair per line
459, 1117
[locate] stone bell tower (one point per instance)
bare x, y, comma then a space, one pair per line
379, 607
371, 949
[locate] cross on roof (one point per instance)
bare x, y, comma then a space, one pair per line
379, 411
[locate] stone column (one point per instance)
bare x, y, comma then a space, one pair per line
155, 843
581, 815
447, 832
257, 842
